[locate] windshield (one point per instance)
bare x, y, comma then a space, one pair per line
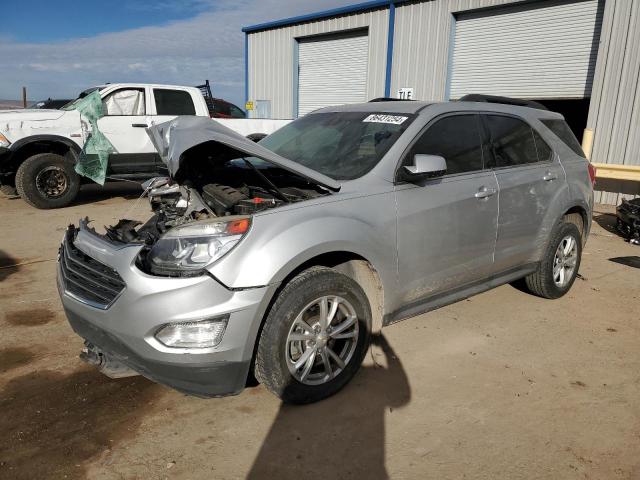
72, 105
343, 145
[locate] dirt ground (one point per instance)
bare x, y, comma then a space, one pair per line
504, 385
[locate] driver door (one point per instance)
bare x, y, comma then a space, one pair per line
447, 226
124, 122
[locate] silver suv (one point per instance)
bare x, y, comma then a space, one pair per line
280, 259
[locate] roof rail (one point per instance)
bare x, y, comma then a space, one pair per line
477, 97
389, 99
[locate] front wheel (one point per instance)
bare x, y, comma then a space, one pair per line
559, 267
314, 338
47, 180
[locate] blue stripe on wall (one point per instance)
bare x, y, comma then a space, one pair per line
392, 24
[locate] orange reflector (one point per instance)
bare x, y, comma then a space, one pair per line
238, 227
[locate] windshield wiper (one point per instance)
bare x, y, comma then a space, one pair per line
275, 189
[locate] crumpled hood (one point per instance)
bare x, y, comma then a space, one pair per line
30, 115
176, 136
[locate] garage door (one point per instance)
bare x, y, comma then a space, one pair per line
331, 71
544, 50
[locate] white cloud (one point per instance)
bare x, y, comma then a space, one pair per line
209, 45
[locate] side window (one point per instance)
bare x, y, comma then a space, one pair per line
236, 112
564, 133
512, 141
545, 154
125, 102
173, 102
457, 139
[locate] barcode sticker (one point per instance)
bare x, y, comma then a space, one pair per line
384, 118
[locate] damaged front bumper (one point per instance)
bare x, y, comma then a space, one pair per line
118, 309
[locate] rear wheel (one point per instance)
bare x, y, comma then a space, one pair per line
314, 338
559, 267
47, 180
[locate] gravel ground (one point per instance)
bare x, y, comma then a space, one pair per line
503, 385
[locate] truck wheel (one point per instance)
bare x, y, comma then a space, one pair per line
47, 180
559, 266
315, 336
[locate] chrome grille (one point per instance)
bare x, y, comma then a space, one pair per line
86, 279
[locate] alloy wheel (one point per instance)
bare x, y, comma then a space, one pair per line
322, 340
564, 261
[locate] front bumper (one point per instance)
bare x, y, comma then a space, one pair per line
125, 328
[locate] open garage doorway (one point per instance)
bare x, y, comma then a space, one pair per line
575, 112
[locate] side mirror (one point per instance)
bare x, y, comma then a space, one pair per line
424, 166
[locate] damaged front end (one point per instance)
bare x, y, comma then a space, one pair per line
219, 180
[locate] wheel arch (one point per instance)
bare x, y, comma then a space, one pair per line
578, 215
35, 144
349, 263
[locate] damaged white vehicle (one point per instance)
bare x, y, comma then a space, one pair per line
281, 258
40, 149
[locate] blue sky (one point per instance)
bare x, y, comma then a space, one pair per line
56, 48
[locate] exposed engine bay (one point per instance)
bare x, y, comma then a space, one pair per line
241, 186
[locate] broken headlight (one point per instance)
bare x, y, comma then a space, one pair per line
186, 250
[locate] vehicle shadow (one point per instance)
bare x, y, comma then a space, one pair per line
608, 222
92, 192
8, 265
342, 436
630, 261
52, 423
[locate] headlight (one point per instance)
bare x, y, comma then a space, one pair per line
4, 141
186, 250
202, 334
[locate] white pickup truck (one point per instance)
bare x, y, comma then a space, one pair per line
39, 148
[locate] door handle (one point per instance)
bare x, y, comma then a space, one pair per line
485, 192
548, 177
140, 125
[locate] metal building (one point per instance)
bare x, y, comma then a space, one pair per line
578, 57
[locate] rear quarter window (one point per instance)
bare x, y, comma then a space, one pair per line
564, 133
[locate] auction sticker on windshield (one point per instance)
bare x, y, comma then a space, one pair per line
382, 118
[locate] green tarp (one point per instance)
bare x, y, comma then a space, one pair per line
95, 153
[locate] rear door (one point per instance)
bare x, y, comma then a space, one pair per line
447, 226
530, 179
124, 121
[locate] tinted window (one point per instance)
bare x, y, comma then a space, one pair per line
173, 102
457, 139
564, 133
545, 154
512, 141
342, 145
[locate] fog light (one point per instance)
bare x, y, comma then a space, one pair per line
201, 334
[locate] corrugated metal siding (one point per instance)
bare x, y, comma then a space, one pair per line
540, 50
333, 71
421, 51
271, 57
614, 113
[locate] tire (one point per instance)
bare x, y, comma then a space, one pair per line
47, 180
544, 282
277, 351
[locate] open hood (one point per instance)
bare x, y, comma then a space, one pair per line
176, 136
